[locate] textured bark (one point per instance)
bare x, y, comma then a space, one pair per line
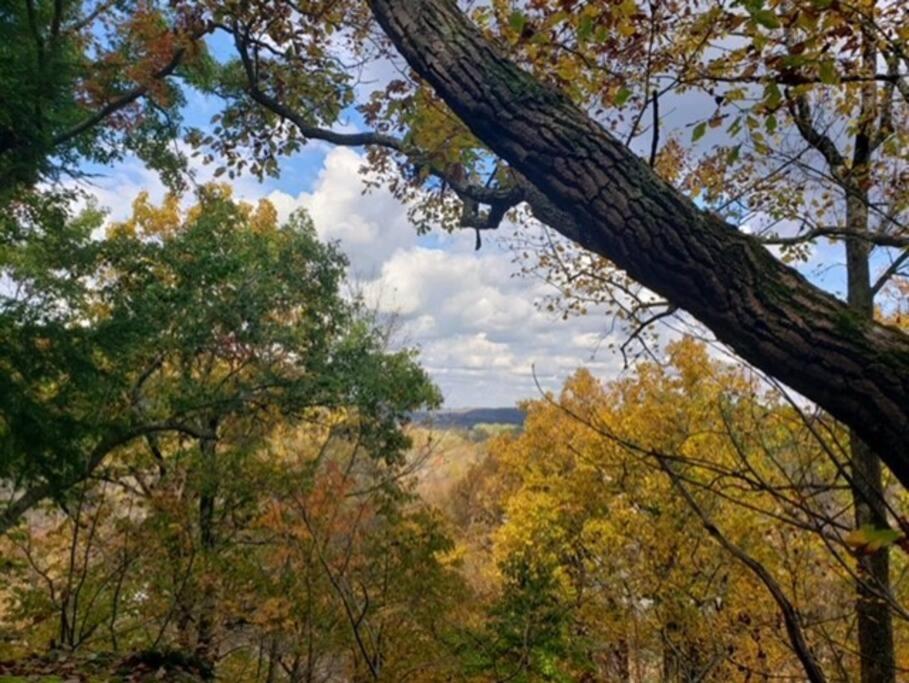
768, 313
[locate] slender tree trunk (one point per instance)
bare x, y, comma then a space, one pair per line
670, 665
621, 665
272, 660
874, 620
875, 624
207, 540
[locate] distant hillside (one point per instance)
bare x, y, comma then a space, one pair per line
468, 418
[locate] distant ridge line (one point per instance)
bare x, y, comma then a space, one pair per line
469, 417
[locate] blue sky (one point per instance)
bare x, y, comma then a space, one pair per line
474, 319
478, 325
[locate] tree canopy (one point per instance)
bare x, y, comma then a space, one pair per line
605, 198
193, 382
173, 323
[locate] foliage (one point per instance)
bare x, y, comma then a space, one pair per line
579, 507
69, 66
217, 432
563, 552
771, 114
178, 321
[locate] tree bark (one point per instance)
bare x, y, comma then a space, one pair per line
873, 617
209, 481
767, 312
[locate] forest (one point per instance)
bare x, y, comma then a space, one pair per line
454, 340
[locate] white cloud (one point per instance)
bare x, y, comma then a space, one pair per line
115, 189
369, 227
482, 338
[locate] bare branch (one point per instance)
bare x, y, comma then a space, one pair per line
120, 102
876, 238
801, 114
890, 271
791, 616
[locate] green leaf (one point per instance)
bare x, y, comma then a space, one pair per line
794, 60
699, 131
766, 18
827, 72
621, 97
868, 539
517, 20
585, 29
772, 95
733, 154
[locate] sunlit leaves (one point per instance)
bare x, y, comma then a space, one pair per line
619, 550
868, 539
622, 96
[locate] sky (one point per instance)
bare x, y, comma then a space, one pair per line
478, 325
480, 333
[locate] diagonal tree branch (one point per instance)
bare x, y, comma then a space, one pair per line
791, 617
499, 199
767, 312
800, 111
38, 492
890, 271
136, 93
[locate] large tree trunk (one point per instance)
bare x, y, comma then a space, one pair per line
768, 313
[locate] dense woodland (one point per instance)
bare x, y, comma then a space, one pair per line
209, 463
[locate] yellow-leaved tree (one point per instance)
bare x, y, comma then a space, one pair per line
683, 523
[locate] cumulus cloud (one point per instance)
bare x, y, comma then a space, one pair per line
369, 228
480, 334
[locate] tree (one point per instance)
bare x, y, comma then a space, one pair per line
806, 101
253, 406
317, 560
86, 81
610, 488
766, 312
620, 209
528, 636
175, 325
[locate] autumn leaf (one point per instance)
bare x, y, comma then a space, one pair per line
868, 539
621, 97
